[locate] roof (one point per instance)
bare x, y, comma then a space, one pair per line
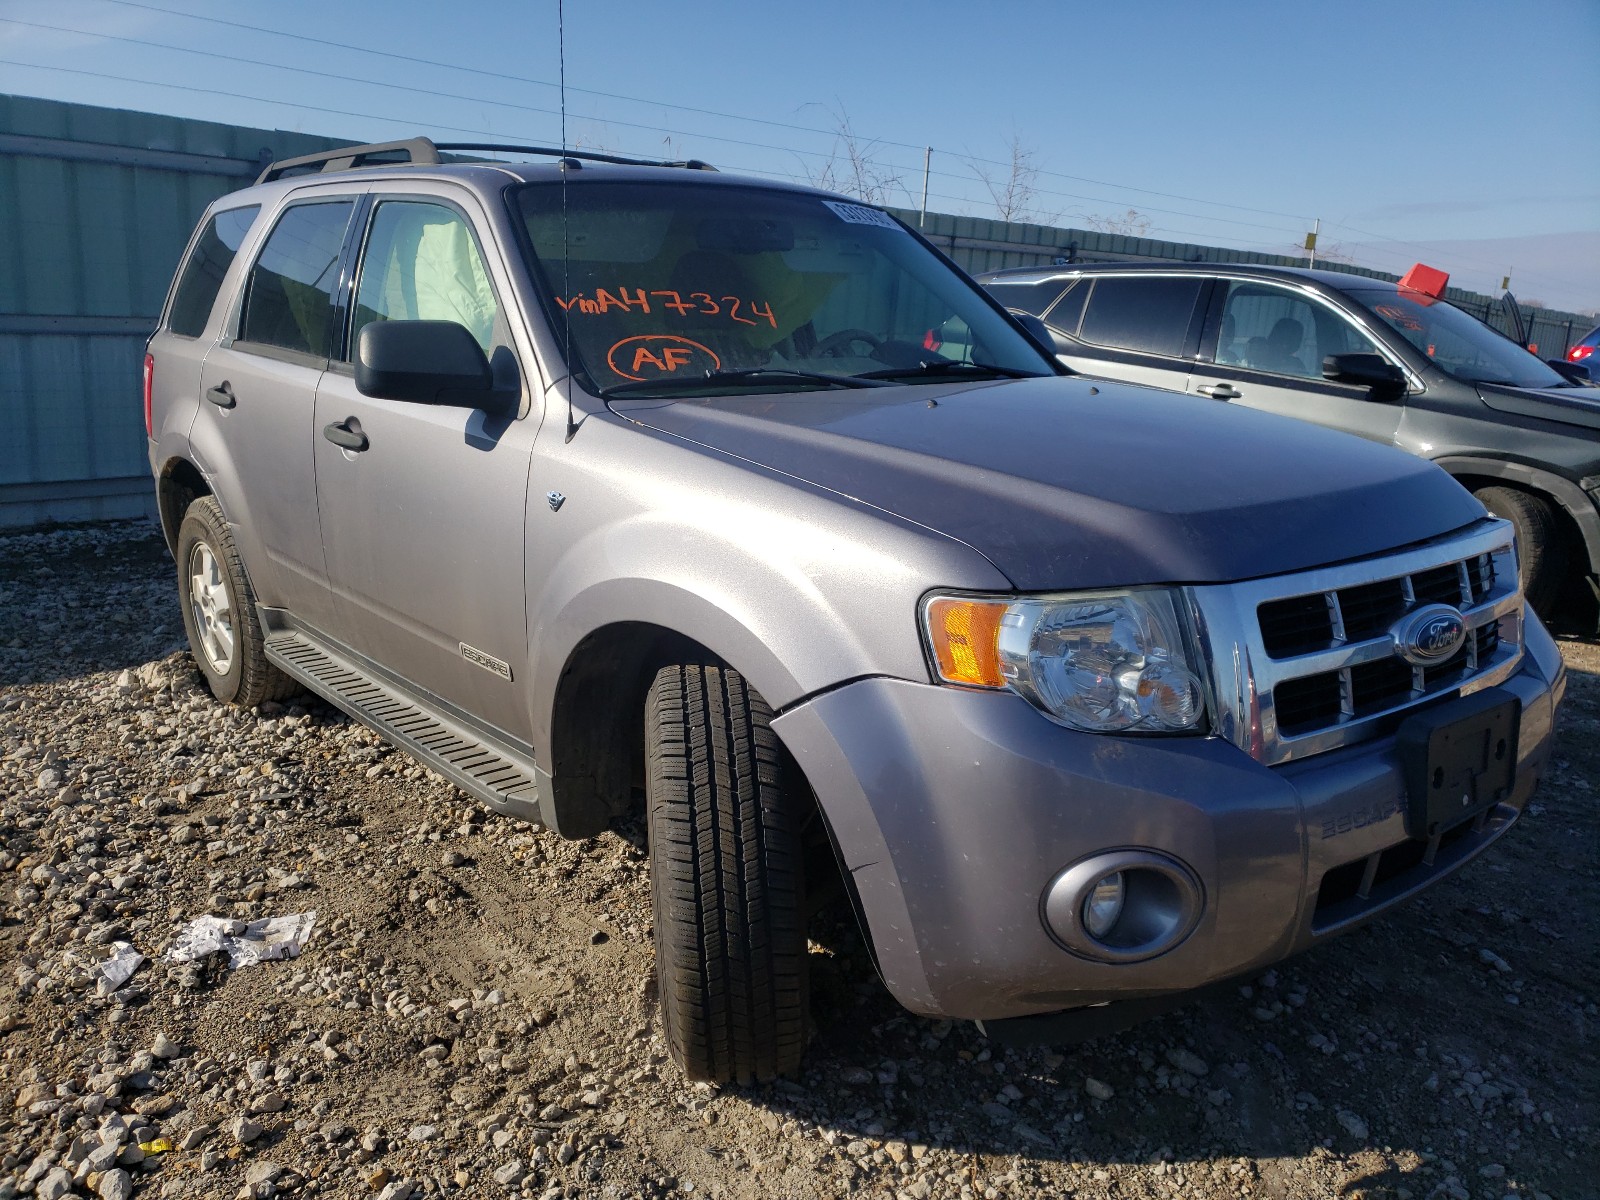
1336, 280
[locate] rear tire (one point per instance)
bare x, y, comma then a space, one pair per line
1541, 544
219, 612
725, 868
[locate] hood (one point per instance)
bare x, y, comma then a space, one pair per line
1064, 483
1569, 406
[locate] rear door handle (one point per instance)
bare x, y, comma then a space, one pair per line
1220, 391
346, 434
221, 395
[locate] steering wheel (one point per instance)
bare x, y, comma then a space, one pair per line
835, 344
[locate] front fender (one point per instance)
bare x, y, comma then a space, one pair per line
794, 607
797, 588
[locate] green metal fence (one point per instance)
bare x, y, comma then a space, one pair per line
96, 205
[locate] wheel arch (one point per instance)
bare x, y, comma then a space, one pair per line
1569, 500
178, 486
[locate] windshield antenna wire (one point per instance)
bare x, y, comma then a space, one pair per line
566, 242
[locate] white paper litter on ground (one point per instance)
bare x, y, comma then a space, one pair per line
245, 942
118, 969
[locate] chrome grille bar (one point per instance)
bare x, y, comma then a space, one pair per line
1248, 677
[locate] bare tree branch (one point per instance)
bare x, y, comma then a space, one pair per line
1015, 193
852, 166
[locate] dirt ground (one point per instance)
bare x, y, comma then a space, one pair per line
473, 1014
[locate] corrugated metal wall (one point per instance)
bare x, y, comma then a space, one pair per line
96, 205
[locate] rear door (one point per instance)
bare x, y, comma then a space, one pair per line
424, 528
1137, 328
1264, 346
252, 435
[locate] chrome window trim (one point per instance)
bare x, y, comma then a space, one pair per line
1244, 675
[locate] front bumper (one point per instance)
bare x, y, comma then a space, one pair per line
953, 810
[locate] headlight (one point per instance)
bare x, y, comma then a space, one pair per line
1108, 662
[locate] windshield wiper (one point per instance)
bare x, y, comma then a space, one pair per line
680, 383
934, 368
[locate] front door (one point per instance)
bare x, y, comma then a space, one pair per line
1265, 350
423, 527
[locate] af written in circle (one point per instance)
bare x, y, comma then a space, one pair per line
659, 355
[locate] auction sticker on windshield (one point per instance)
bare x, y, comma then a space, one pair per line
860, 214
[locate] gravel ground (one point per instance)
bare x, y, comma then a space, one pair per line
471, 1015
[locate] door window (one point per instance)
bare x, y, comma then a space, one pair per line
289, 298
1143, 313
423, 264
202, 275
1266, 328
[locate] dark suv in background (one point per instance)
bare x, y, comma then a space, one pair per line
1389, 363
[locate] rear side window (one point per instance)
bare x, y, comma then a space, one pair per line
288, 300
1149, 315
202, 274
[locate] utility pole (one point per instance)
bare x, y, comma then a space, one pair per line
1311, 239
927, 158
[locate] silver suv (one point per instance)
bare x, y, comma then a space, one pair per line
605, 487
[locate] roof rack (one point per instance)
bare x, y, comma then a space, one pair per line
421, 151
576, 158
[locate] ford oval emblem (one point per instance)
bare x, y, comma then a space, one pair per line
1430, 635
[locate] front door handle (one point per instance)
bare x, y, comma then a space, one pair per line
1220, 391
221, 395
346, 434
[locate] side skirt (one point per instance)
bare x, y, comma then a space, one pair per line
492, 773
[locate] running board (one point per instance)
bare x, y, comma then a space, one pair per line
500, 779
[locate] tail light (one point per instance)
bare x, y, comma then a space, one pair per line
149, 380
1579, 353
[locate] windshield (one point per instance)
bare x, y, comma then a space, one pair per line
686, 288
1458, 343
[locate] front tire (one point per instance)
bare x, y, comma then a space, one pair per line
1541, 545
725, 868
219, 611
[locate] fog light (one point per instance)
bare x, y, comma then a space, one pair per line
1123, 906
1104, 906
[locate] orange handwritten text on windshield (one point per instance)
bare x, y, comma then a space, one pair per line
737, 309
658, 355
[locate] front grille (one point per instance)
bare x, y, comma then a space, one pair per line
1311, 663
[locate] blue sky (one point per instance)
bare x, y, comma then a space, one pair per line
1463, 132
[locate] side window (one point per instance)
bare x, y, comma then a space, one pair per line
1066, 312
1027, 297
422, 264
1143, 313
202, 274
1273, 329
288, 301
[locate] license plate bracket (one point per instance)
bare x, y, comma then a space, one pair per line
1458, 759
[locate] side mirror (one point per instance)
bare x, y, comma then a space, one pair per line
1368, 370
1571, 372
426, 362
1035, 329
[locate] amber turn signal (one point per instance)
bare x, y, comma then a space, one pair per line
965, 636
